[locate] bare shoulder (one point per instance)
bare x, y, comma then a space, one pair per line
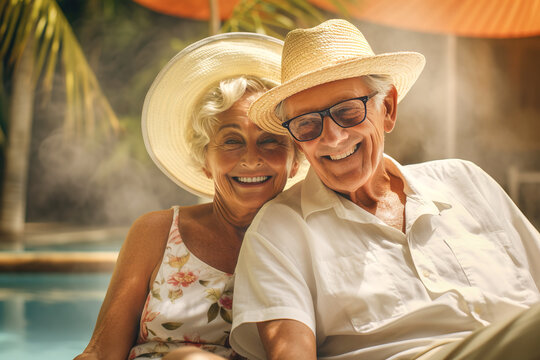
147, 237
152, 222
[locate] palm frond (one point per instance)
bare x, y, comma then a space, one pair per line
277, 17
43, 22
3, 112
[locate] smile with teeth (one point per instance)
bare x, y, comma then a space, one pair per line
251, 180
344, 155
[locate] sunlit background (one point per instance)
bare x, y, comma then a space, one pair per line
74, 171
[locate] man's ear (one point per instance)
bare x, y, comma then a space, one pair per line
390, 105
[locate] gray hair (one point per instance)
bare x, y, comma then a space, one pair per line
217, 100
376, 82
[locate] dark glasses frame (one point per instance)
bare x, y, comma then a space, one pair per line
327, 112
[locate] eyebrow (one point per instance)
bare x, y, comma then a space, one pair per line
235, 126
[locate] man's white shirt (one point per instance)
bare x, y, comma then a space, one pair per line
468, 257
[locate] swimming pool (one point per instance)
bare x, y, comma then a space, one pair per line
48, 316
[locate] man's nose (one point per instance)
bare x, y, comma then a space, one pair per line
332, 134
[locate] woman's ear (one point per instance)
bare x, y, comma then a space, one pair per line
297, 158
294, 168
390, 105
206, 171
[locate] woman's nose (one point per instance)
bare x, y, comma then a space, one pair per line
252, 157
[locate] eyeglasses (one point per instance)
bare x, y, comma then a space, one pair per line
347, 113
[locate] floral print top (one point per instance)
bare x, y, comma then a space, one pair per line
190, 303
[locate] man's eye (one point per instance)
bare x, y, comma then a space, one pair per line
349, 112
232, 142
305, 124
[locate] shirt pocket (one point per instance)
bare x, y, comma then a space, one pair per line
361, 289
491, 263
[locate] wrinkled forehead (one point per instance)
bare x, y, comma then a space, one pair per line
322, 96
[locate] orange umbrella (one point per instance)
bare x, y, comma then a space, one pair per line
213, 10
472, 18
193, 9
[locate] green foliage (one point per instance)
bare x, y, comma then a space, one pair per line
277, 17
41, 21
3, 117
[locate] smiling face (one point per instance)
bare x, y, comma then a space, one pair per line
249, 166
345, 159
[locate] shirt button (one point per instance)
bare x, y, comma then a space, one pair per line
478, 309
426, 273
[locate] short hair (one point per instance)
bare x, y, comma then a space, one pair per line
217, 100
376, 82
381, 83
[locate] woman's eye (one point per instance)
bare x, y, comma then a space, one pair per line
232, 142
269, 141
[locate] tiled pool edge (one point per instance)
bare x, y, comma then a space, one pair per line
102, 261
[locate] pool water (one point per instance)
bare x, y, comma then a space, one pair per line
48, 316
108, 245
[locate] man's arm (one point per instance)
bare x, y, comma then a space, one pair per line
285, 339
271, 283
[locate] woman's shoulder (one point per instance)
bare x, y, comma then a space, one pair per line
160, 222
149, 227
154, 219
145, 244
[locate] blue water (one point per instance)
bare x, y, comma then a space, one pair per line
48, 316
108, 245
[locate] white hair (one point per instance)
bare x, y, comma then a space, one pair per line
380, 83
376, 82
217, 100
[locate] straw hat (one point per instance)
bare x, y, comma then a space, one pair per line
333, 50
180, 85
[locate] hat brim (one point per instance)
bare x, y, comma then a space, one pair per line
171, 101
403, 67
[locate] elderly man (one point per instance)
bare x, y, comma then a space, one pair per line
369, 259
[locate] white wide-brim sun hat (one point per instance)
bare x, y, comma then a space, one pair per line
333, 50
175, 93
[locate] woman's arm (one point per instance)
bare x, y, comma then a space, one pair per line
118, 320
286, 339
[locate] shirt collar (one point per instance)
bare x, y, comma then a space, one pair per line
415, 189
315, 196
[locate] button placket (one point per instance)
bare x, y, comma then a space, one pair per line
423, 265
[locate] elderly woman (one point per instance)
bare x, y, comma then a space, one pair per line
173, 283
